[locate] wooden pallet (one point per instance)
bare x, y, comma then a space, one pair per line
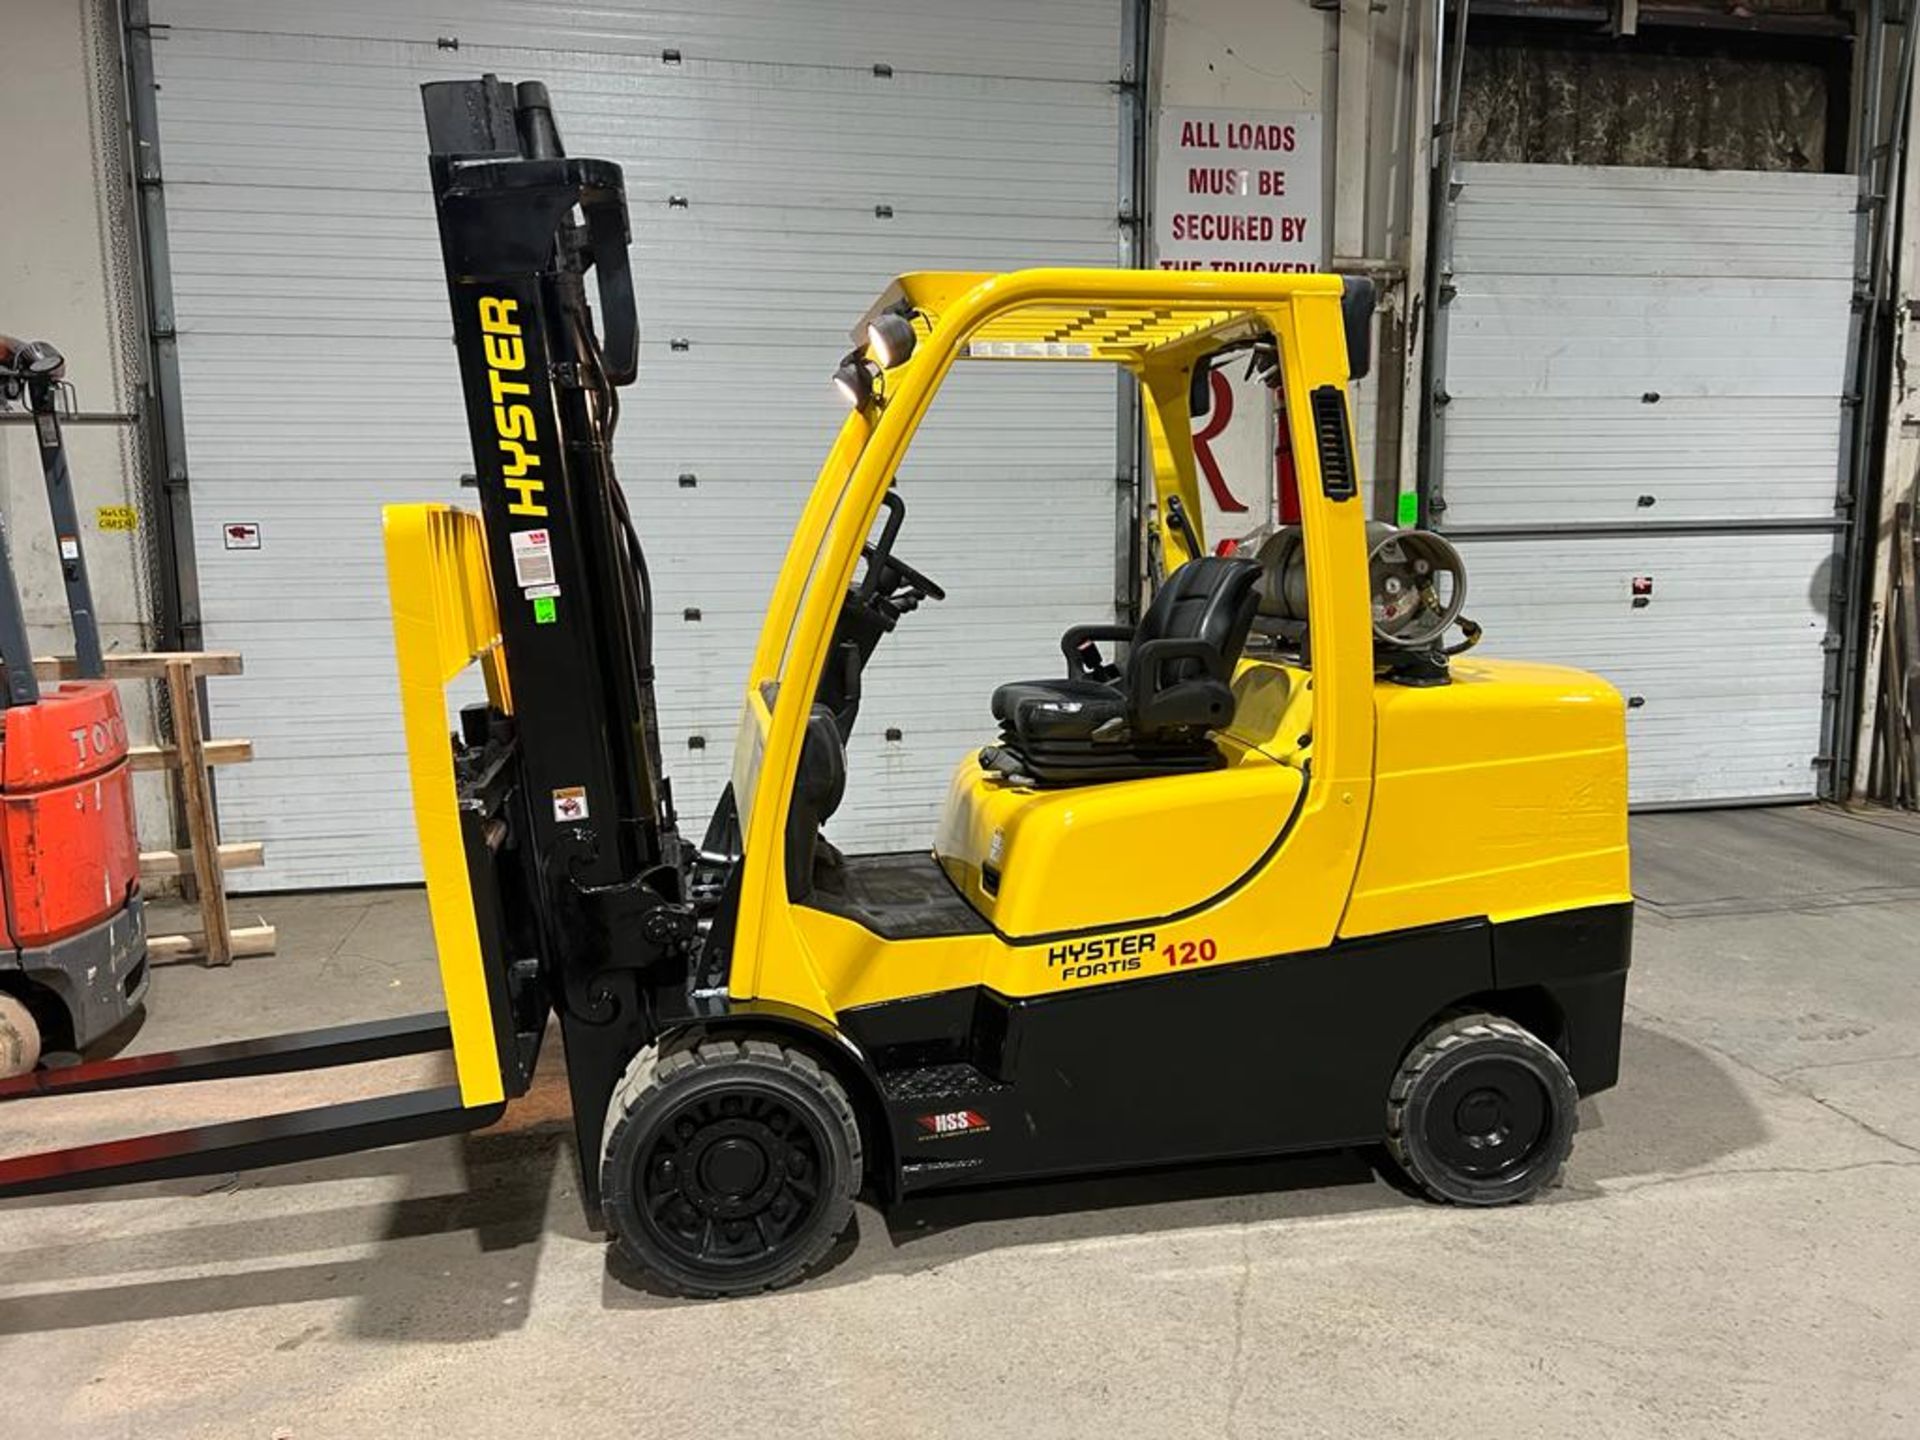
1895, 771
205, 859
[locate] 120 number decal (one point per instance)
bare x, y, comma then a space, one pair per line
1190, 952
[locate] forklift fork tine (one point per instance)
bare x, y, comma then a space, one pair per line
267, 1055
282, 1139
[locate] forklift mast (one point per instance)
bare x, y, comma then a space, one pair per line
520, 226
558, 830
33, 374
575, 871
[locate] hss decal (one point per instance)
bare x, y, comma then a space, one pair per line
946, 1123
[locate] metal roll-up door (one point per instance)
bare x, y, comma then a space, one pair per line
783, 161
1640, 449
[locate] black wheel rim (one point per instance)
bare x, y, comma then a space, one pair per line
732, 1177
1489, 1119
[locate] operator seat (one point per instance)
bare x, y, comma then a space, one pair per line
819, 785
1155, 716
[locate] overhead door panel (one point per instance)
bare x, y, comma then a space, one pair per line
782, 163
1643, 381
1617, 459
1720, 659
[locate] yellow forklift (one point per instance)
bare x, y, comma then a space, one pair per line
1278, 873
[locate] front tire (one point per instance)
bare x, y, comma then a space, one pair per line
19, 1037
1481, 1112
728, 1167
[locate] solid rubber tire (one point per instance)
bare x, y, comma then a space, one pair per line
19, 1037
654, 1084
1449, 1045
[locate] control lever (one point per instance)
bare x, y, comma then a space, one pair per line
1182, 526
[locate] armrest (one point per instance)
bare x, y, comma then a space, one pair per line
1148, 659
1080, 638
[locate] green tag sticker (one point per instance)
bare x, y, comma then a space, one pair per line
1409, 509
544, 610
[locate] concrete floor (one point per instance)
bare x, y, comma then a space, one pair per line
1736, 1250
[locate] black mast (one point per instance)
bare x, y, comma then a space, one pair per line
36, 372
542, 402
571, 844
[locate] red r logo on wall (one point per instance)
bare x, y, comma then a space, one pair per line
1219, 412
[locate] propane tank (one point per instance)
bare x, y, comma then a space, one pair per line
1416, 579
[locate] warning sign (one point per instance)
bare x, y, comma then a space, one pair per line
240, 535
532, 559
570, 804
1238, 190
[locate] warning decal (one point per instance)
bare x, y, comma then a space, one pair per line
532, 559
570, 803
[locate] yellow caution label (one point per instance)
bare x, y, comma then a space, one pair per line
116, 517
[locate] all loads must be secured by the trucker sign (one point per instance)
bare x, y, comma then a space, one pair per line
1238, 190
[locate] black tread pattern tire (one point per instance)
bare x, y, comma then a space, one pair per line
655, 1080
1459, 1040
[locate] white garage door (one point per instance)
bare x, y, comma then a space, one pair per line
1641, 449
783, 160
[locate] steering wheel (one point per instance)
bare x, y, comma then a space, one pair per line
891, 586
890, 576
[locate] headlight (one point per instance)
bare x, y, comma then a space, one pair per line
891, 339
854, 380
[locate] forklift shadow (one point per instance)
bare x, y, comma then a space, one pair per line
1677, 1109
453, 1259
1339, 1182
922, 1235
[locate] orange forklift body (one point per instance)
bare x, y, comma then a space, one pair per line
66, 813
69, 863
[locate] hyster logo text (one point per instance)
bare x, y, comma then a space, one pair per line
513, 422
1105, 955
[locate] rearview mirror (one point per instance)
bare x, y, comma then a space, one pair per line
1356, 314
1200, 387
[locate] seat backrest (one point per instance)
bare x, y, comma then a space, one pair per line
819, 785
1210, 600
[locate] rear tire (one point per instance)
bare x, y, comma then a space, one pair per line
19, 1037
1481, 1112
728, 1167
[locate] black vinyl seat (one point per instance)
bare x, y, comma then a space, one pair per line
1152, 718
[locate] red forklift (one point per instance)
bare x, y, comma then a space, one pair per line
73, 940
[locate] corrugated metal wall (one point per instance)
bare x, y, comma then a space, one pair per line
817, 150
1644, 370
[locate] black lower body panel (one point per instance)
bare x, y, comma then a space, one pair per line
1578, 960
1291, 1053
99, 976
